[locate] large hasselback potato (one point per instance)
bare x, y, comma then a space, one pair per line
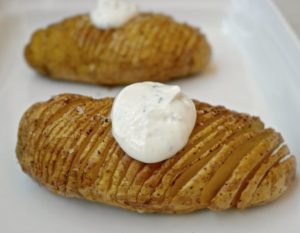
230, 160
150, 47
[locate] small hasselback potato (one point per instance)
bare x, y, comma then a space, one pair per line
149, 47
230, 161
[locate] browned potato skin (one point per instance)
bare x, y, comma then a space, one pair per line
230, 161
149, 47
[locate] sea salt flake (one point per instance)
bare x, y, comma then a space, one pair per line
71, 151
92, 67
220, 127
80, 110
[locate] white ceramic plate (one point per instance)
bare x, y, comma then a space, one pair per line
255, 69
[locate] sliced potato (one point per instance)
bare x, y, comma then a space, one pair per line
247, 193
230, 160
149, 47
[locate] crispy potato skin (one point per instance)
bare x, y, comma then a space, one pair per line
149, 47
230, 161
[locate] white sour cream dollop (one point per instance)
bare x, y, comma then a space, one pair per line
112, 13
152, 121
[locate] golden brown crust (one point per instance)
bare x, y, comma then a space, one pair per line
150, 47
230, 160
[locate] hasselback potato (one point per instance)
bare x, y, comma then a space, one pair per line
149, 47
230, 161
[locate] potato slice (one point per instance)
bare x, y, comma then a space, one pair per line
247, 194
194, 187
276, 182
226, 196
224, 172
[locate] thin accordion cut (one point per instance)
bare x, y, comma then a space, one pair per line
149, 47
230, 161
